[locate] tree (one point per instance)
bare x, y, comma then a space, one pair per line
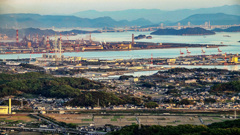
151, 105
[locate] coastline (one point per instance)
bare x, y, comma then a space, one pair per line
182, 45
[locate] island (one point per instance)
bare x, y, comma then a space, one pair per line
185, 31
33, 32
230, 29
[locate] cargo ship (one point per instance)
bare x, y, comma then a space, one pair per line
212, 46
226, 36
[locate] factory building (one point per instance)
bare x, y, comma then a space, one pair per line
234, 59
6, 109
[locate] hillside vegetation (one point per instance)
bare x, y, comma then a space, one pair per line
233, 86
45, 85
221, 128
91, 98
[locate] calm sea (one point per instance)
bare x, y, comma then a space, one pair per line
126, 36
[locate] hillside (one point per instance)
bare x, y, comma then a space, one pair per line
220, 128
105, 99
45, 85
157, 15
33, 31
46, 21
186, 31
230, 29
229, 87
215, 19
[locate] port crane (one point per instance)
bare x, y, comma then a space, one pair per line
188, 51
219, 50
181, 52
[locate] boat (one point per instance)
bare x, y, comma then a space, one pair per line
181, 52
226, 36
212, 46
203, 51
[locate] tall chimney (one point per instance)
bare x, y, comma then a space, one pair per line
37, 39
10, 106
90, 38
17, 36
48, 45
132, 39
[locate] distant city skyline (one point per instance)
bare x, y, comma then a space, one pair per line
73, 6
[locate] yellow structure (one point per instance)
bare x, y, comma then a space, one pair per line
79, 64
3, 109
135, 68
171, 60
10, 106
6, 109
29, 44
130, 46
134, 79
122, 46
234, 59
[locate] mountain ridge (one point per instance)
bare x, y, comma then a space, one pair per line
36, 20
162, 15
215, 19
185, 31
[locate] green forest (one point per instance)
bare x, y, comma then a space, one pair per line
221, 128
92, 98
183, 70
229, 87
43, 84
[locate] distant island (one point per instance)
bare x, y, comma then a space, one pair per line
186, 31
230, 29
48, 32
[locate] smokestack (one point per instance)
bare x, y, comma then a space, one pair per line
151, 60
10, 106
90, 38
132, 39
21, 104
60, 47
47, 40
17, 36
37, 38
48, 45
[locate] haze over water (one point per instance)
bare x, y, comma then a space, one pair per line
126, 36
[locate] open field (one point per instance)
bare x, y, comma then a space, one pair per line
81, 119
28, 133
24, 118
100, 120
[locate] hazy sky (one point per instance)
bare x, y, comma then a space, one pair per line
72, 6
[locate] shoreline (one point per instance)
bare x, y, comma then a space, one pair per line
182, 45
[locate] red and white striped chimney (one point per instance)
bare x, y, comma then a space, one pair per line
17, 36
